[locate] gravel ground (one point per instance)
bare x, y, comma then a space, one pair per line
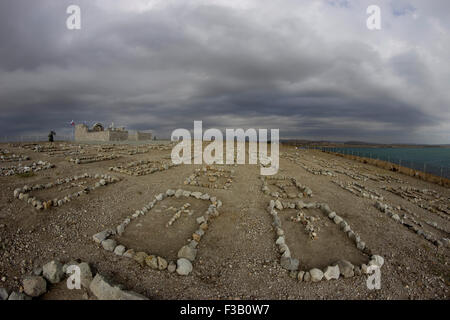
237, 258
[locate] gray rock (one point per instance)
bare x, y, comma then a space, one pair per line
343, 225
178, 193
276, 221
4, 294
120, 229
34, 286
18, 296
201, 219
162, 263
205, 196
172, 267
278, 205
53, 271
186, 193
325, 208
290, 264
109, 244
119, 250
337, 219
316, 275
103, 290
360, 245
37, 271
196, 194
99, 237
184, 267
152, 262
332, 215
129, 253
300, 276
193, 244
307, 277
345, 268
187, 252
331, 272
140, 257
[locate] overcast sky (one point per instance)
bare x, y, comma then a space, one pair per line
310, 68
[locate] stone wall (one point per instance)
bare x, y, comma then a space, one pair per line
118, 135
82, 133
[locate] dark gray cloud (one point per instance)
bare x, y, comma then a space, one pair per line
309, 68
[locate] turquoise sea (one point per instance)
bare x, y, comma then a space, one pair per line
431, 160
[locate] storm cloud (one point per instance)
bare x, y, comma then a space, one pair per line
310, 68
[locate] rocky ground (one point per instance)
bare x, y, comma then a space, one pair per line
400, 218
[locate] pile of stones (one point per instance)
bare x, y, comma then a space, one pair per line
359, 190
411, 224
93, 158
24, 192
21, 169
142, 167
54, 272
308, 222
303, 191
179, 212
342, 267
213, 175
186, 254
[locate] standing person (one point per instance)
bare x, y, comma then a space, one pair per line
50, 136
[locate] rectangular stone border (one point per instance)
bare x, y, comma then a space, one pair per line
186, 254
388, 210
359, 190
23, 193
127, 169
34, 167
93, 158
192, 180
315, 274
304, 191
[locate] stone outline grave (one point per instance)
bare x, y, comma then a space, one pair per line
407, 193
24, 192
208, 172
186, 254
142, 167
341, 267
53, 150
20, 169
304, 191
6, 156
359, 190
93, 158
389, 211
